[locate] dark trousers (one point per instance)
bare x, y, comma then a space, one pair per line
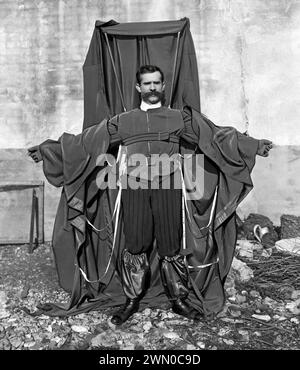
150, 213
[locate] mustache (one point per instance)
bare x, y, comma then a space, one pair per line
158, 94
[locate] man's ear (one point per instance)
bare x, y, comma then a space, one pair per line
137, 86
163, 86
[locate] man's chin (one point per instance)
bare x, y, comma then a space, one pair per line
153, 100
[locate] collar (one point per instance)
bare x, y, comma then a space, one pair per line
145, 106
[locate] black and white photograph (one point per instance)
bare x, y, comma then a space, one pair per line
149, 179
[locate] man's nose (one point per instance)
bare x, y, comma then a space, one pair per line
152, 87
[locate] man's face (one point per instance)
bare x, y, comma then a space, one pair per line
151, 87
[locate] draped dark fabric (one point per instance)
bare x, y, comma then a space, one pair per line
71, 162
132, 45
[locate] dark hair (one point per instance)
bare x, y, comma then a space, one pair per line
148, 69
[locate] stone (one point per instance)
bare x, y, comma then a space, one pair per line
242, 272
235, 313
104, 339
294, 307
240, 298
147, 312
265, 318
4, 314
201, 345
295, 320
79, 329
245, 249
290, 246
171, 335
128, 347
269, 302
229, 342
245, 335
223, 331
147, 326
254, 294
233, 321
5, 344
295, 294
191, 347
15, 342
290, 226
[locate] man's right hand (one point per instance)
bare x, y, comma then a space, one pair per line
35, 154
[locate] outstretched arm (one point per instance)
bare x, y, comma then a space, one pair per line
264, 146
35, 153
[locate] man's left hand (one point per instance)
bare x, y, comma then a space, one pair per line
264, 146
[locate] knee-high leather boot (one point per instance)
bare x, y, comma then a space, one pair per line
175, 279
135, 277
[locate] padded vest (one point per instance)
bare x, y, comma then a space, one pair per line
151, 132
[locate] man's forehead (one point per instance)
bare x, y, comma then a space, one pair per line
151, 76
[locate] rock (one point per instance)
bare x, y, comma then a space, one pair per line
170, 315
295, 294
3, 300
231, 292
294, 307
229, 342
286, 292
235, 313
29, 344
5, 344
233, 321
257, 333
244, 334
201, 345
291, 246
265, 318
147, 326
223, 331
79, 329
245, 248
171, 335
128, 347
242, 272
294, 320
104, 339
4, 314
164, 315
269, 302
15, 342
191, 347
240, 298
290, 226
147, 312
279, 318
254, 294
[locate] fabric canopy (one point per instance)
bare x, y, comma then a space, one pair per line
116, 52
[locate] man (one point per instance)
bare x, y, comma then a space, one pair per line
152, 210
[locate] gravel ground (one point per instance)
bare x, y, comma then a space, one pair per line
254, 317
